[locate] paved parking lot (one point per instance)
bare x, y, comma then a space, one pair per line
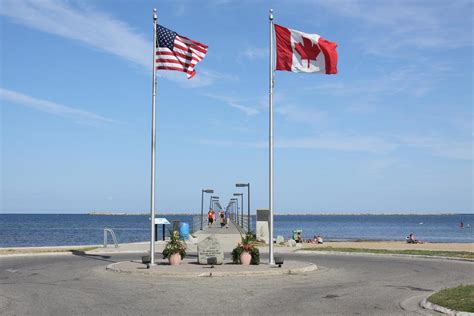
356, 284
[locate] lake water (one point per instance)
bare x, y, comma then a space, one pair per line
22, 230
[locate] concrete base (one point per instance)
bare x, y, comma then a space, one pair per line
189, 268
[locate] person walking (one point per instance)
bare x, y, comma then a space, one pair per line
210, 217
221, 218
227, 218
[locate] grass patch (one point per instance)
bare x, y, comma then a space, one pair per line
460, 298
44, 250
451, 254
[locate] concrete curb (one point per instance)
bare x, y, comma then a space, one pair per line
272, 271
437, 308
30, 254
381, 254
62, 253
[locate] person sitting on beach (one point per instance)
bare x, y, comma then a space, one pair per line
298, 238
319, 240
411, 239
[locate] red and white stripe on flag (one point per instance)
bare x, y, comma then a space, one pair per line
302, 52
183, 57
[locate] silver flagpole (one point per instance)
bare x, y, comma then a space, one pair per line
270, 140
153, 149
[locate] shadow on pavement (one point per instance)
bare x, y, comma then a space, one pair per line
83, 254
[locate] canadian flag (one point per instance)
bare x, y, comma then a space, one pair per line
302, 52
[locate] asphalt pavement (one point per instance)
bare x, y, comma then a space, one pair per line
343, 285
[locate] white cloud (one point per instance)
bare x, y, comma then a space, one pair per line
52, 108
232, 143
340, 142
301, 114
83, 24
440, 147
255, 53
347, 142
409, 24
100, 31
337, 142
235, 103
415, 80
379, 165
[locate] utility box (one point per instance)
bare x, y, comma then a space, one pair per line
262, 231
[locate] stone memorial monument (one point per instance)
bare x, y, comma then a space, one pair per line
208, 248
262, 231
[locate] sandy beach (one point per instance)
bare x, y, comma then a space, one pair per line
396, 245
143, 246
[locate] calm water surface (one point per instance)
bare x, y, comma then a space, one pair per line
433, 228
21, 230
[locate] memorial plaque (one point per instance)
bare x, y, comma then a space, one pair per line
263, 215
208, 248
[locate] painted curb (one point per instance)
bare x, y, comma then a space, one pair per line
273, 271
30, 254
428, 305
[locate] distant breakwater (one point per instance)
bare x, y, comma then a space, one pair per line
116, 214
136, 214
276, 214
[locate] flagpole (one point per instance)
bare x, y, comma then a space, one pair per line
271, 260
153, 149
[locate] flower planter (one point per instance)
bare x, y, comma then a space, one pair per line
175, 259
245, 258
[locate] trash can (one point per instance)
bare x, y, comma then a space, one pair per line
175, 225
184, 231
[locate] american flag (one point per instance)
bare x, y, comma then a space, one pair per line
176, 52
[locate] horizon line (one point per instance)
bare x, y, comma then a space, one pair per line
277, 213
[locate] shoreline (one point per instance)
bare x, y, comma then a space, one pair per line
395, 245
326, 243
381, 245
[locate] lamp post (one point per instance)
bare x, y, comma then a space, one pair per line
231, 206
241, 207
234, 212
211, 199
235, 206
240, 185
202, 202
215, 202
236, 202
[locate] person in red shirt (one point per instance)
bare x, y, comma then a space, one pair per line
210, 217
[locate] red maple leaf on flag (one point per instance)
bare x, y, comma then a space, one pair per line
307, 50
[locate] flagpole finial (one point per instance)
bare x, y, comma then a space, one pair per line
271, 14
154, 14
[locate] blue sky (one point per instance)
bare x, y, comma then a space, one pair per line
391, 132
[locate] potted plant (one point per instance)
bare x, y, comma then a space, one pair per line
246, 251
175, 249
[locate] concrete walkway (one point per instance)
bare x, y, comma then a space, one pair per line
216, 228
